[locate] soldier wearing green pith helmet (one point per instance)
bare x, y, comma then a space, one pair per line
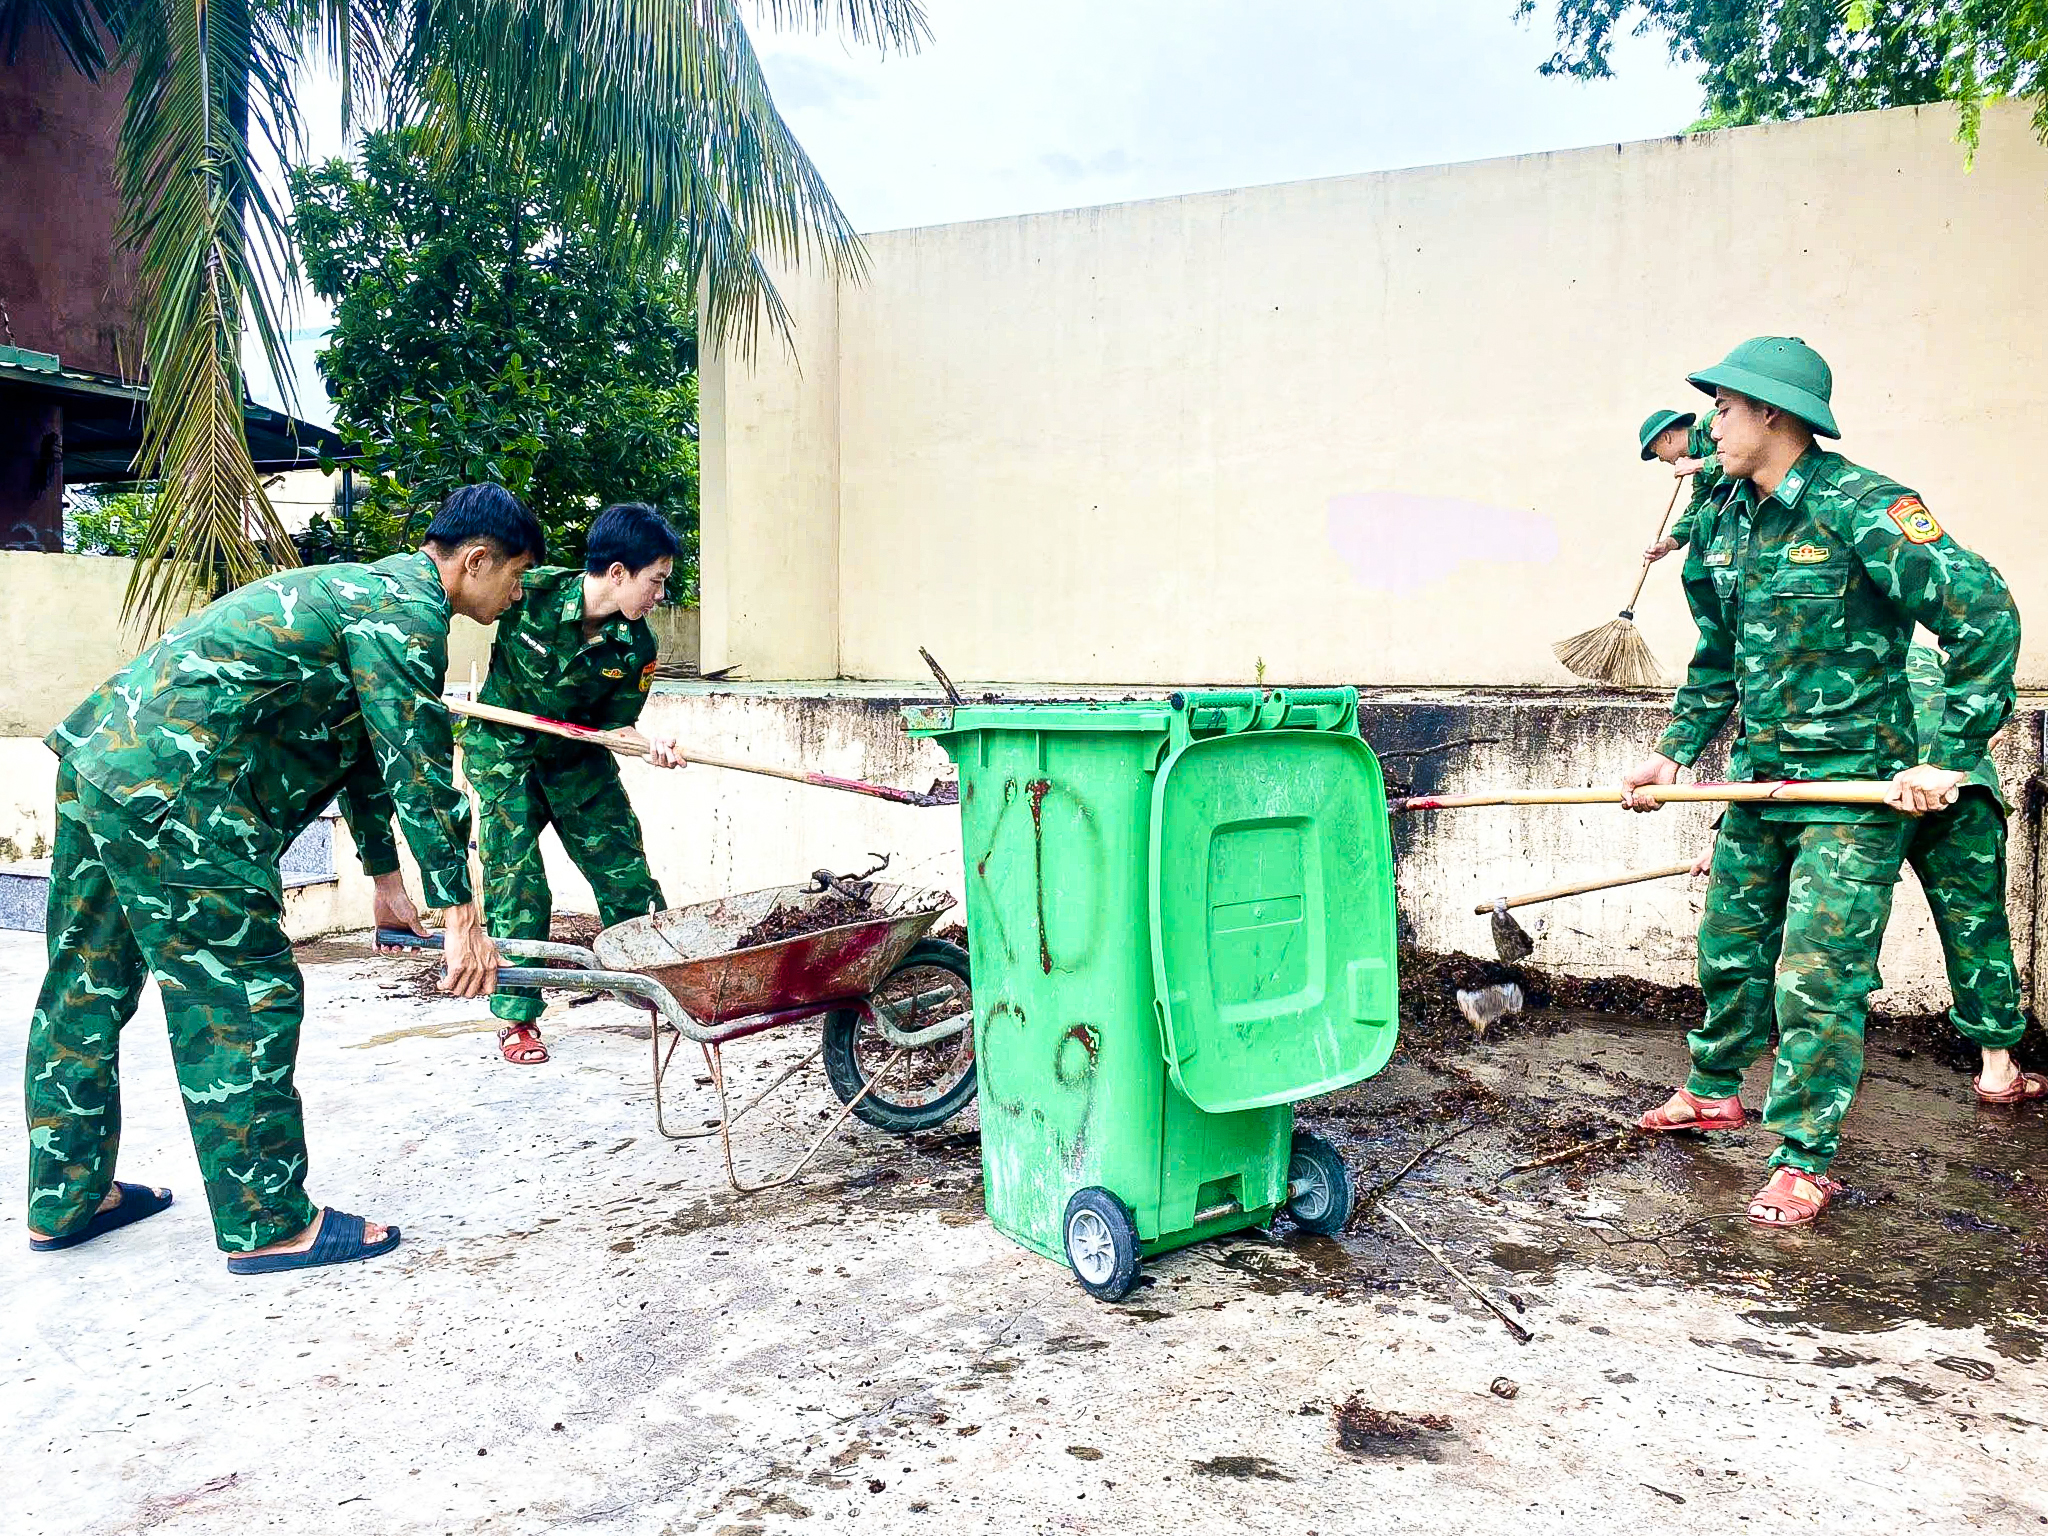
1806, 584
1686, 443
182, 780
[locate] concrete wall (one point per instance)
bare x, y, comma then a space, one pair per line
61, 634
1375, 427
769, 520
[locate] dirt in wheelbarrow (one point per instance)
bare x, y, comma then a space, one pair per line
566, 928
794, 922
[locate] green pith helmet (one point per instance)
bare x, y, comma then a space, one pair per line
1777, 370
1657, 423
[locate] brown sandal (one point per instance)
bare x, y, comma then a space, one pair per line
2026, 1088
1782, 1194
520, 1044
1707, 1114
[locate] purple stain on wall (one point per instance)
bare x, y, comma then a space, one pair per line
1396, 542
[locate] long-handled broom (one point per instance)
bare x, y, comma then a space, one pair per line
1615, 652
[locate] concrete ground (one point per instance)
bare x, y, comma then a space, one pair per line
584, 1331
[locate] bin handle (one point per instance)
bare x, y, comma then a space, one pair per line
1229, 711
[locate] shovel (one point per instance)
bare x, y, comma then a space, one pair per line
1806, 791
1511, 941
630, 743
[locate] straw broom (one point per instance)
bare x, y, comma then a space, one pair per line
1616, 652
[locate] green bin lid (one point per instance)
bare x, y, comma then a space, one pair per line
1272, 897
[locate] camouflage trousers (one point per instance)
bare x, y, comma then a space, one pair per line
1959, 855
601, 835
1795, 912
123, 908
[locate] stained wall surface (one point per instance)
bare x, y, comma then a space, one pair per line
1375, 428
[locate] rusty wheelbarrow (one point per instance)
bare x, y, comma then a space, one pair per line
898, 1031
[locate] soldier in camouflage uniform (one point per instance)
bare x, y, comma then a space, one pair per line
576, 647
182, 781
1959, 856
1806, 585
1685, 443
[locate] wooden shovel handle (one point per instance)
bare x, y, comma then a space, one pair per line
630, 743
1813, 792
1633, 877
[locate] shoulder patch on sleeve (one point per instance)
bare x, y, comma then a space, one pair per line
647, 675
1915, 522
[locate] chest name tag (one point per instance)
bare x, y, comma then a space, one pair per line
1809, 554
534, 645
1914, 520
1719, 557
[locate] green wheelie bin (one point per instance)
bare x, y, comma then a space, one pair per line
1181, 921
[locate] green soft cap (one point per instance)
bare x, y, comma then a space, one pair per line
1657, 423
1778, 370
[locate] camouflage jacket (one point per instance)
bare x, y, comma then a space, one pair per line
1709, 485
238, 727
1924, 674
1806, 602
540, 663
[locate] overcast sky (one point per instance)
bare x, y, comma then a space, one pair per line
1063, 103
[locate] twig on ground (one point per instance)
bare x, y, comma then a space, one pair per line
1569, 1154
1516, 1331
1387, 1187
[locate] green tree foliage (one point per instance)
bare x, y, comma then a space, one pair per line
108, 519
483, 330
1768, 60
659, 115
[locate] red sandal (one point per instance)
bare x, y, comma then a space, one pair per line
2026, 1088
1782, 1194
521, 1045
1707, 1114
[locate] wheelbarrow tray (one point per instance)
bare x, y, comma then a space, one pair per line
691, 950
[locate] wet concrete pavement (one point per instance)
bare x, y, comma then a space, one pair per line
584, 1331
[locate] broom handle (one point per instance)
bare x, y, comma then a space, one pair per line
1633, 877
1817, 792
1677, 485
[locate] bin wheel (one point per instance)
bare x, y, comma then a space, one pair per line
929, 1086
1102, 1243
1318, 1185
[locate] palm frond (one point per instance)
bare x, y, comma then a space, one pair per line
658, 111
192, 202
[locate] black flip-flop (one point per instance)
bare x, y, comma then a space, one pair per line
340, 1242
138, 1201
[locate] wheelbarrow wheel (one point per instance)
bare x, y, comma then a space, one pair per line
929, 1086
1319, 1193
1101, 1241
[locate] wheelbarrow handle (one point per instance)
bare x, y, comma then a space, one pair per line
584, 978
517, 949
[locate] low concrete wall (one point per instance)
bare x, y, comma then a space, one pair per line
710, 831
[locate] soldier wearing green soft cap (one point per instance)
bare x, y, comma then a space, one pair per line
1686, 443
1806, 584
182, 781
575, 647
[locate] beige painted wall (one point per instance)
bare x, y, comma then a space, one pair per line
1376, 428
769, 518
60, 634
